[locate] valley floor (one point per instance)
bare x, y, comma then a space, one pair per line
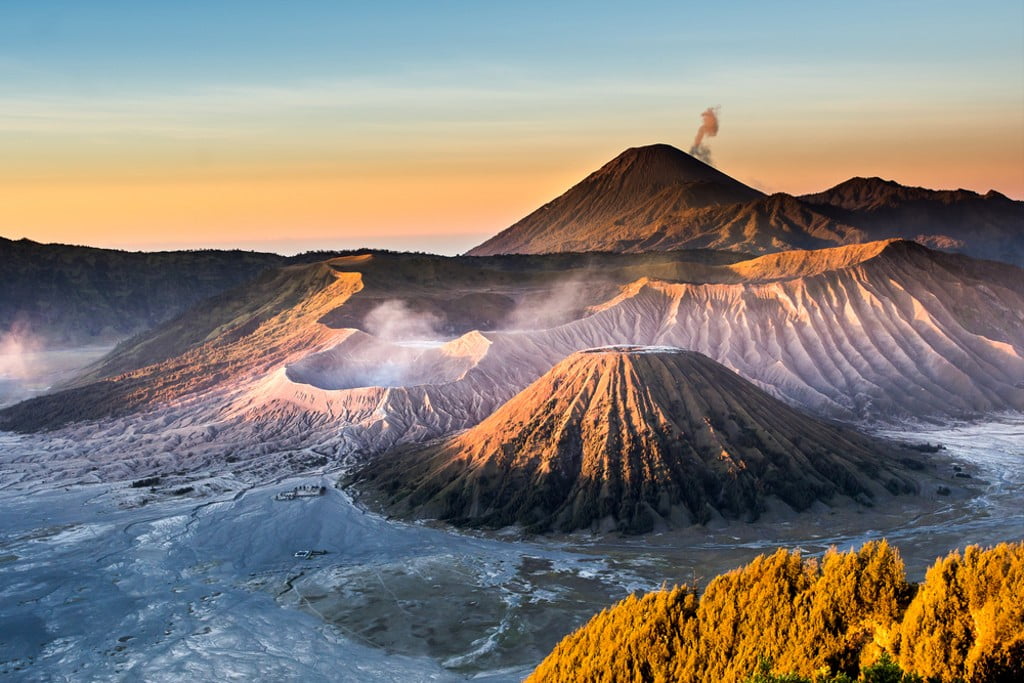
29, 373
96, 586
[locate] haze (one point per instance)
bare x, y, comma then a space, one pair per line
332, 125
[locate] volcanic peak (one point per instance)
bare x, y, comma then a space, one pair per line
656, 180
661, 164
630, 438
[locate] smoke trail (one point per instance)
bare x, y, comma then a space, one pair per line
17, 346
394, 320
566, 300
708, 128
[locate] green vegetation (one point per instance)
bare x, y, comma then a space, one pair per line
885, 670
842, 618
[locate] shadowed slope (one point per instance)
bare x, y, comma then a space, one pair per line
623, 436
64, 295
765, 225
655, 180
984, 226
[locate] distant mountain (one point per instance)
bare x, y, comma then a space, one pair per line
880, 331
636, 187
987, 226
63, 295
660, 198
621, 437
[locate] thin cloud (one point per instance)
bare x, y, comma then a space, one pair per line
232, 110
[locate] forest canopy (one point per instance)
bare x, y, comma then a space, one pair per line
784, 617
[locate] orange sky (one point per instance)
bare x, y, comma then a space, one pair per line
265, 205
350, 126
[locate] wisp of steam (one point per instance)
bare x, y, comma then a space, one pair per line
394, 320
708, 128
17, 346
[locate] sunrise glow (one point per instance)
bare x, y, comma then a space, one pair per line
431, 128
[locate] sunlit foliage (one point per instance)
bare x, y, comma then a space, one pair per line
967, 620
639, 639
786, 619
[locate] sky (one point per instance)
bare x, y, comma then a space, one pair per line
432, 125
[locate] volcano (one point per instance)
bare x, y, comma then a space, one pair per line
651, 181
626, 437
658, 198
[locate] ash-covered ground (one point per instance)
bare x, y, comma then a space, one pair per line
113, 582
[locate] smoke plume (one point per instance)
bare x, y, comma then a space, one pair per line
566, 300
708, 128
394, 320
17, 345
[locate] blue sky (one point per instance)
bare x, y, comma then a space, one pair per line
108, 46
435, 95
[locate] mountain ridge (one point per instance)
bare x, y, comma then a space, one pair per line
835, 331
66, 295
659, 198
866, 333
989, 225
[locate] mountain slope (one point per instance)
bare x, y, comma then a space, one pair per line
657, 180
775, 223
884, 330
226, 341
987, 226
628, 435
66, 295
879, 331
660, 198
